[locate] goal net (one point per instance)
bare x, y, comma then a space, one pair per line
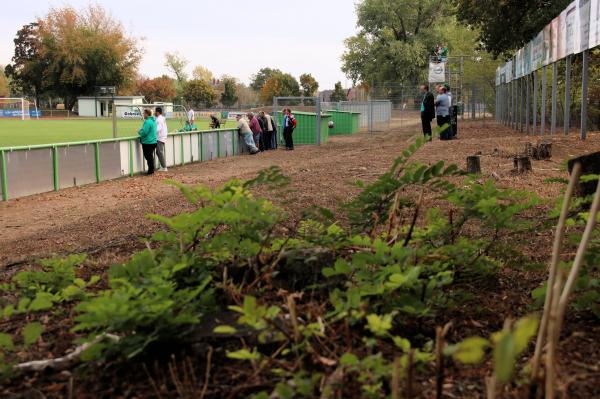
17, 108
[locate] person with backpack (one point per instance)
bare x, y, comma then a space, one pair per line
442, 110
289, 124
148, 138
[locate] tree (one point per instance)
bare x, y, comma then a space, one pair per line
520, 20
279, 85
27, 68
229, 96
339, 94
199, 93
394, 40
246, 95
4, 89
157, 89
309, 85
176, 64
259, 80
73, 51
202, 73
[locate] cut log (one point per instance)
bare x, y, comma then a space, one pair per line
522, 164
474, 165
590, 165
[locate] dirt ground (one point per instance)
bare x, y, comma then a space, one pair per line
107, 220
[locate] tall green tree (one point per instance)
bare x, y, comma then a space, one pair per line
26, 71
339, 94
157, 89
308, 84
394, 40
507, 25
258, 80
229, 96
198, 93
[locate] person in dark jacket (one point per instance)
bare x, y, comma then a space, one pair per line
427, 110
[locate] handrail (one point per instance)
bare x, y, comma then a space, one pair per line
111, 140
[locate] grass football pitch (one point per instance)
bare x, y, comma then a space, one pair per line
31, 132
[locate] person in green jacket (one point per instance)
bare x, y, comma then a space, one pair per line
148, 138
189, 127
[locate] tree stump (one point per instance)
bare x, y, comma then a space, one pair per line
590, 164
544, 151
474, 165
522, 164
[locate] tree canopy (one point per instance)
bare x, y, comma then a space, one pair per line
229, 95
279, 85
4, 89
309, 85
157, 89
199, 93
339, 94
507, 25
258, 81
394, 40
69, 52
202, 73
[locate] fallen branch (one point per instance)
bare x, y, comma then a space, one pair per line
65, 362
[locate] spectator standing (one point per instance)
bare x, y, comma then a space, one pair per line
442, 110
245, 131
289, 123
191, 116
256, 130
148, 138
269, 129
161, 131
427, 110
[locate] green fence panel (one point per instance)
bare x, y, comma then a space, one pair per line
306, 129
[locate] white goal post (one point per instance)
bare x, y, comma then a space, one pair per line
17, 108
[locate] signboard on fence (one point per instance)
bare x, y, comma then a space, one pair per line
527, 59
508, 71
572, 29
537, 52
584, 7
437, 72
594, 23
498, 76
547, 35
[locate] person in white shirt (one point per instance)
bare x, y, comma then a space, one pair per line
161, 132
191, 116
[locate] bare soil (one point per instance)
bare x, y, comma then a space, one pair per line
107, 220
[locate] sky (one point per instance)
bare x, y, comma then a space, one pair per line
235, 37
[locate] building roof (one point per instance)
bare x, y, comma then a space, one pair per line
110, 97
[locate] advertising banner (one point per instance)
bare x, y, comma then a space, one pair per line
547, 32
555, 32
584, 24
562, 36
537, 52
498, 76
437, 72
527, 59
594, 23
508, 72
572, 29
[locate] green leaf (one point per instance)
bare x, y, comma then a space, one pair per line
42, 301
349, 359
402, 343
504, 356
225, 330
524, 330
244, 354
379, 325
31, 333
6, 342
471, 350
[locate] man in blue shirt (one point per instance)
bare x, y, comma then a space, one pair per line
442, 111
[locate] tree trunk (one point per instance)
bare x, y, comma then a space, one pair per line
522, 164
474, 165
545, 151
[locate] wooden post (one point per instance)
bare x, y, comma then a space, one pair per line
474, 164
